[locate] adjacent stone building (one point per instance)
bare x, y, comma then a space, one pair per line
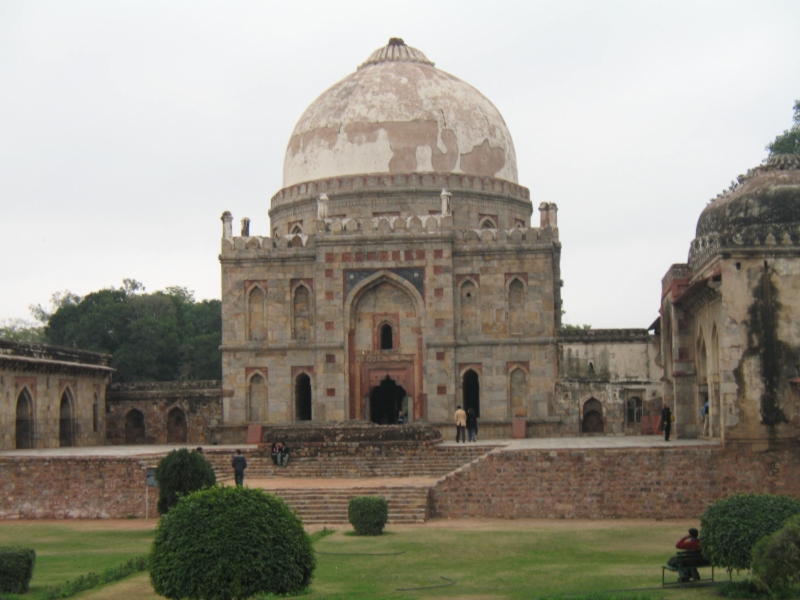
730, 318
51, 396
609, 381
163, 412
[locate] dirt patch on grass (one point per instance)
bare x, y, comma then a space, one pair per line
88, 524
481, 524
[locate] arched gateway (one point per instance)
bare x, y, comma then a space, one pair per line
385, 367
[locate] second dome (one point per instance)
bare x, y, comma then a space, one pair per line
399, 114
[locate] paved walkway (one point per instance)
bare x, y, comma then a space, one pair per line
562, 443
316, 483
118, 451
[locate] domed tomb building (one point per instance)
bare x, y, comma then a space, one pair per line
730, 332
402, 272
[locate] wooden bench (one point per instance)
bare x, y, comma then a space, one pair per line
687, 559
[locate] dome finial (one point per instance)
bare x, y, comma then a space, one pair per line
396, 51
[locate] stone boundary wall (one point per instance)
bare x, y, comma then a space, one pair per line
587, 483
618, 483
74, 488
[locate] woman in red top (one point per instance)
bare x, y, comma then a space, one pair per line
689, 542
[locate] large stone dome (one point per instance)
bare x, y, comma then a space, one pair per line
399, 114
768, 195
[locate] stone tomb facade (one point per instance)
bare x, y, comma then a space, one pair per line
402, 273
51, 396
729, 317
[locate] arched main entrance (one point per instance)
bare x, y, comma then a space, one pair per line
24, 429
386, 401
134, 427
177, 430
385, 338
471, 392
592, 417
65, 423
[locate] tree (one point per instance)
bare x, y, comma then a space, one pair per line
789, 141
160, 336
230, 543
776, 557
20, 330
731, 527
180, 473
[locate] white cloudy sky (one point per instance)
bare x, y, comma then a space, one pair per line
127, 128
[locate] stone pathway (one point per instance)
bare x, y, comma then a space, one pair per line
644, 441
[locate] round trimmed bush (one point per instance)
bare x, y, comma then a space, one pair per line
227, 543
179, 473
776, 558
731, 527
368, 514
16, 568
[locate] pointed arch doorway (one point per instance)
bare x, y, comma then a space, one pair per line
386, 401
387, 389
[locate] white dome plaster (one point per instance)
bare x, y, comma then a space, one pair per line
399, 114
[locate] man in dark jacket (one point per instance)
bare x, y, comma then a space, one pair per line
666, 421
239, 464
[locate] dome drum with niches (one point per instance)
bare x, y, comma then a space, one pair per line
398, 113
761, 207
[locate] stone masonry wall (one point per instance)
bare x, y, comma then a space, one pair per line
74, 487
647, 483
200, 401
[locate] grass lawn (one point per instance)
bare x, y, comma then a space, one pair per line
487, 558
67, 548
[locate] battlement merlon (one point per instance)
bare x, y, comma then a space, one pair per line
382, 230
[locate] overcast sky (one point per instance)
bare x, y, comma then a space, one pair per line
127, 128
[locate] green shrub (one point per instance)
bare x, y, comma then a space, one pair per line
731, 527
748, 590
368, 514
16, 568
230, 542
179, 473
776, 558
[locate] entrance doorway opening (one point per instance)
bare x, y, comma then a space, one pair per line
471, 392
134, 427
386, 402
65, 424
177, 428
302, 397
592, 416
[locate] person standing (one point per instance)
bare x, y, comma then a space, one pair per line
401, 418
239, 464
704, 412
461, 424
666, 421
472, 425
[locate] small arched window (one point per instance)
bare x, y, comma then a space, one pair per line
488, 223
297, 230
386, 337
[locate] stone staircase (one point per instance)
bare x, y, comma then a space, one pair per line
408, 503
314, 506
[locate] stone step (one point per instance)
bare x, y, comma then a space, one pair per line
406, 505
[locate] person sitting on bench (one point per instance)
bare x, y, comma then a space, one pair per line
687, 542
280, 454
